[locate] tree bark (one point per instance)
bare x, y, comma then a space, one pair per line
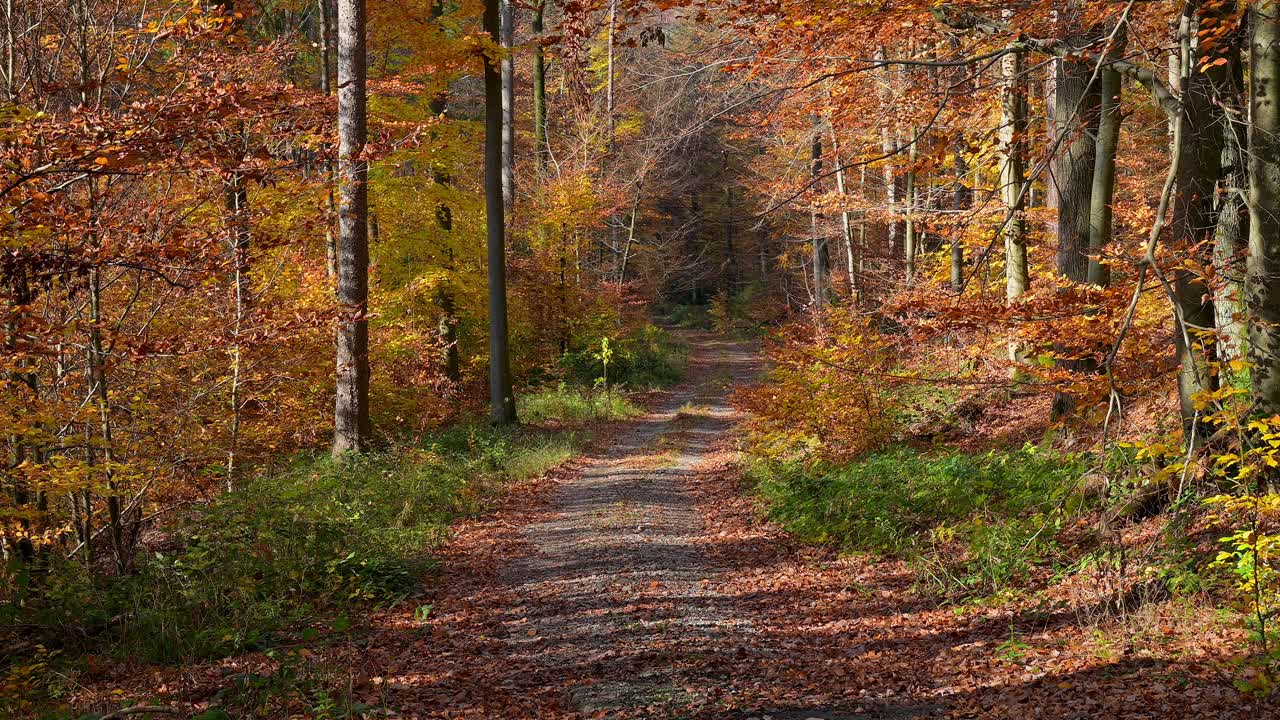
1013, 180
1104, 177
609, 99
912, 236
731, 253
1076, 107
1076, 117
502, 406
447, 328
889, 146
1193, 228
846, 220
1263, 280
539, 90
351, 409
507, 34
1232, 229
237, 200
820, 262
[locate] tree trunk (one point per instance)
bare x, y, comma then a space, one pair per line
608, 108
1263, 281
351, 410
539, 91
1104, 177
731, 253
101, 397
1193, 228
507, 34
237, 200
961, 200
912, 240
1076, 106
1232, 229
1053, 66
889, 146
447, 328
326, 86
1076, 117
962, 195
502, 406
1013, 181
846, 220
820, 281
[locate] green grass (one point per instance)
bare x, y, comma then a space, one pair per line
972, 524
565, 403
314, 542
647, 357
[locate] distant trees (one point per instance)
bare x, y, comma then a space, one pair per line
908, 103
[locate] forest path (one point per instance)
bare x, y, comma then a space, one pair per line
617, 588
609, 593
640, 582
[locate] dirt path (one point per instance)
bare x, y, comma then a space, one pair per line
640, 583
617, 587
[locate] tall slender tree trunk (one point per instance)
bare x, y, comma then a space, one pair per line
631, 237
1232, 229
1053, 68
846, 220
731, 254
1263, 280
820, 262
447, 328
1104, 177
961, 201
237, 200
962, 194
506, 38
326, 87
1110, 118
540, 90
1013, 181
351, 411
502, 406
911, 241
609, 70
894, 230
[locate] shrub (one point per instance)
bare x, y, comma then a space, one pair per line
993, 508
565, 403
645, 357
322, 536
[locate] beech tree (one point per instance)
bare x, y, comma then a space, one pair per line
1263, 290
502, 406
351, 432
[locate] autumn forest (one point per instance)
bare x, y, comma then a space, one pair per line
650, 359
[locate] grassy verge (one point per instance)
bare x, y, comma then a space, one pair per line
566, 403
971, 524
261, 564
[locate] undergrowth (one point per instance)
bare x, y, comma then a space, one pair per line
971, 524
268, 559
648, 357
567, 403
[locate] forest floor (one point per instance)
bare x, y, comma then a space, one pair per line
639, 581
